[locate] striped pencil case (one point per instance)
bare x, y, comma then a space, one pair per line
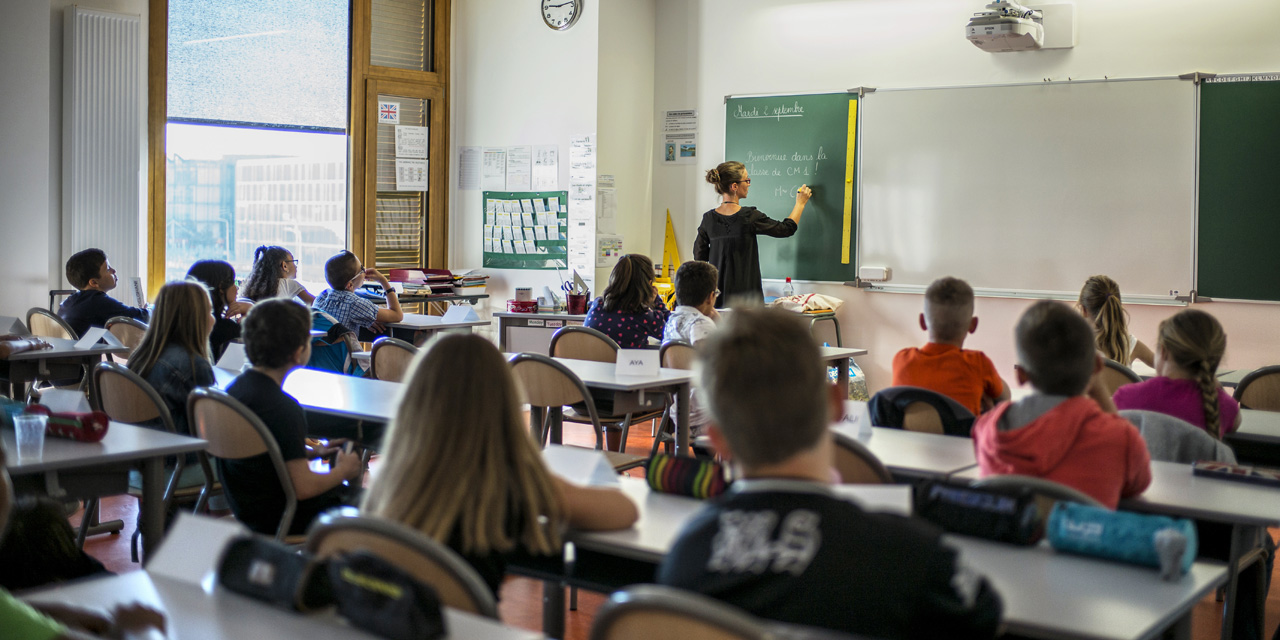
693, 477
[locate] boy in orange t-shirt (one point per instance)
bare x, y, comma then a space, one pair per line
943, 365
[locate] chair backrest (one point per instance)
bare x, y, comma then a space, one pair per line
127, 330
1172, 439
1115, 375
47, 324
456, 582
1047, 492
651, 611
1260, 389
677, 354
390, 359
547, 383
856, 463
583, 343
233, 433
126, 397
923, 417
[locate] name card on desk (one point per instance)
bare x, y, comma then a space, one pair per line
580, 466
197, 544
10, 325
97, 335
460, 313
856, 422
64, 401
233, 358
637, 362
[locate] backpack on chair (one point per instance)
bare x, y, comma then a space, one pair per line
332, 351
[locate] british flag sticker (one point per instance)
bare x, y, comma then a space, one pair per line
388, 113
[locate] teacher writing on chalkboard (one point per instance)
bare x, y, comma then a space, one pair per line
727, 234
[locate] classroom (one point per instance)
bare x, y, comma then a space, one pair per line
613, 75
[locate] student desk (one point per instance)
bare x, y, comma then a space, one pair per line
1231, 378
921, 455
124, 445
430, 325
531, 332
34, 365
194, 614
1046, 594
335, 394
1257, 427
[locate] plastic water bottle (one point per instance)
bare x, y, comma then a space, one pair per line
787, 289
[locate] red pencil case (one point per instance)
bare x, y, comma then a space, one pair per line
84, 427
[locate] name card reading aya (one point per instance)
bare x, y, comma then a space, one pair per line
637, 362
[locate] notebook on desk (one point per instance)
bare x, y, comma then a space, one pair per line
1239, 473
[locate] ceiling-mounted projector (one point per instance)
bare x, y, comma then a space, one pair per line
1006, 26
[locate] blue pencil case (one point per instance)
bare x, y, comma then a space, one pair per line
1153, 541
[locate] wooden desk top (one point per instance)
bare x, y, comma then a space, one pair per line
123, 443
194, 614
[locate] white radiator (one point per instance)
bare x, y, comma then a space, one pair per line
102, 137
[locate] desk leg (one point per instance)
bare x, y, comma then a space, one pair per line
502, 335
682, 421
152, 506
1181, 630
557, 425
842, 376
536, 415
553, 609
1244, 541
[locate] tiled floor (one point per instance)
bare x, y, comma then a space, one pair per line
521, 599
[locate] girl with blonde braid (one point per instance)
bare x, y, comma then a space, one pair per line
1100, 303
1188, 349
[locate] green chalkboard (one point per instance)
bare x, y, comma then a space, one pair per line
787, 141
1239, 188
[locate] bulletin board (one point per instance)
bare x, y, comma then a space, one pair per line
526, 229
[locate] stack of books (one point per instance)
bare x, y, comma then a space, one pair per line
470, 283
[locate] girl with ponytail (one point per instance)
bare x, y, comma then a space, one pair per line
274, 275
1188, 349
1100, 303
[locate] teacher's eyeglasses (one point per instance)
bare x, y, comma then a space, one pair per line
747, 181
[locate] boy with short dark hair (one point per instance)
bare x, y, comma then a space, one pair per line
780, 544
90, 306
1068, 430
345, 275
943, 364
277, 340
695, 314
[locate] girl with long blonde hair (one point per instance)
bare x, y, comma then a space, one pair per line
461, 466
174, 352
1100, 303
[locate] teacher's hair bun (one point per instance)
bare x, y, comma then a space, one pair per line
713, 177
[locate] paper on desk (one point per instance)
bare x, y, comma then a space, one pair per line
887, 498
460, 313
95, 335
234, 358
580, 466
64, 401
856, 422
197, 544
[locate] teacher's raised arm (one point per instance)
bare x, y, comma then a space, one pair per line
727, 234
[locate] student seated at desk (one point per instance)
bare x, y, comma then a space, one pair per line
220, 277
1067, 430
780, 543
695, 318
274, 275
1100, 303
277, 340
173, 356
630, 311
943, 364
66, 622
91, 273
461, 466
345, 274
1189, 347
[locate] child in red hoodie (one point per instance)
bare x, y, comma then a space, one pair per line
1068, 430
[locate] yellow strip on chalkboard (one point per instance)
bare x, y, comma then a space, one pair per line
848, 181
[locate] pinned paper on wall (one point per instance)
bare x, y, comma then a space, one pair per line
519, 168
608, 249
469, 168
411, 174
388, 112
494, 168
411, 142
546, 167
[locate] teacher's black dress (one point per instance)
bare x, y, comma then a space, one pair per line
729, 243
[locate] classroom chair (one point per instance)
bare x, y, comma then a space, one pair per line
126, 397
459, 586
584, 343
1260, 389
1047, 493
389, 359
1171, 439
651, 611
1116, 375
917, 409
47, 324
127, 330
549, 386
857, 465
234, 433
674, 354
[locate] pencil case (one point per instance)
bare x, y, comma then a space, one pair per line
693, 477
1004, 515
1149, 540
83, 427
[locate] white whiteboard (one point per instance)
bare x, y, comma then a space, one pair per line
1031, 189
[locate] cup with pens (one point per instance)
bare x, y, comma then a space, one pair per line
575, 296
